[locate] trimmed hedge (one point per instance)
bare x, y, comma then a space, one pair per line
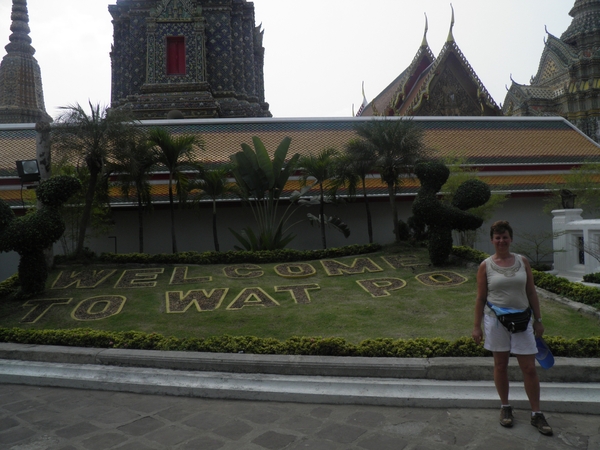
574, 291
393, 348
592, 277
235, 257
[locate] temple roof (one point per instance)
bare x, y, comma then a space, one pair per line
516, 154
415, 87
449, 55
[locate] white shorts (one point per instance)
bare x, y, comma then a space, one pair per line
499, 339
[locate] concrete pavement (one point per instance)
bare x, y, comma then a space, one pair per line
50, 418
83, 398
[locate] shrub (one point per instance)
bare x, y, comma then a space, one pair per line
469, 254
563, 287
238, 257
592, 278
332, 346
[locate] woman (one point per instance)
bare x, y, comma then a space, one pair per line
505, 280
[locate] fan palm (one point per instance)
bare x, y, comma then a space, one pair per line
132, 165
90, 139
174, 153
354, 166
398, 145
213, 184
320, 168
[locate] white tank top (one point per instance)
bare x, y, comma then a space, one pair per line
506, 285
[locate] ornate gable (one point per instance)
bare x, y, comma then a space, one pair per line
175, 9
554, 62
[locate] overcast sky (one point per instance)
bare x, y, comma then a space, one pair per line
318, 52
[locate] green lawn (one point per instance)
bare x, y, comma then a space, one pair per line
161, 299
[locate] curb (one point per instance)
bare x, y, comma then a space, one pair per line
565, 370
571, 386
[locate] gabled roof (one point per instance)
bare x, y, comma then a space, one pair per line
413, 92
522, 154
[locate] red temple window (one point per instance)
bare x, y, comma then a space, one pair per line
175, 55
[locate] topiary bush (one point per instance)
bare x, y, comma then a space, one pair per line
442, 219
31, 234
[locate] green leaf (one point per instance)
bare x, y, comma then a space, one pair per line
264, 162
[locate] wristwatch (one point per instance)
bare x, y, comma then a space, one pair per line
539, 319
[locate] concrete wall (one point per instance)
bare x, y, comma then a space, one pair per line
194, 226
9, 263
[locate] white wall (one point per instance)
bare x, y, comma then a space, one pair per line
525, 215
194, 226
9, 263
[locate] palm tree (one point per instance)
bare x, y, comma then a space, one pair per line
353, 166
320, 168
174, 153
213, 184
132, 165
90, 139
398, 145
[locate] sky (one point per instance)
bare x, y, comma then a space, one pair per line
317, 52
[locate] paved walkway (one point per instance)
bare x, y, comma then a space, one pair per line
50, 418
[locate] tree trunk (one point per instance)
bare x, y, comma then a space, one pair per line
392, 195
214, 221
140, 223
322, 217
42, 150
87, 210
368, 208
171, 203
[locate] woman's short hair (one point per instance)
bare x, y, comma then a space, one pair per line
500, 227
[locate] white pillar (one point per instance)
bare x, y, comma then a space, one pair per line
559, 244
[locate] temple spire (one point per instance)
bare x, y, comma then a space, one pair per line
425, 43
21, 94
19, 38
450, 35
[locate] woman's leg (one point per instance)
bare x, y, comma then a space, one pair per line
531, 380
501, 375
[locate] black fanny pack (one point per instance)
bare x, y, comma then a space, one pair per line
515, 322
